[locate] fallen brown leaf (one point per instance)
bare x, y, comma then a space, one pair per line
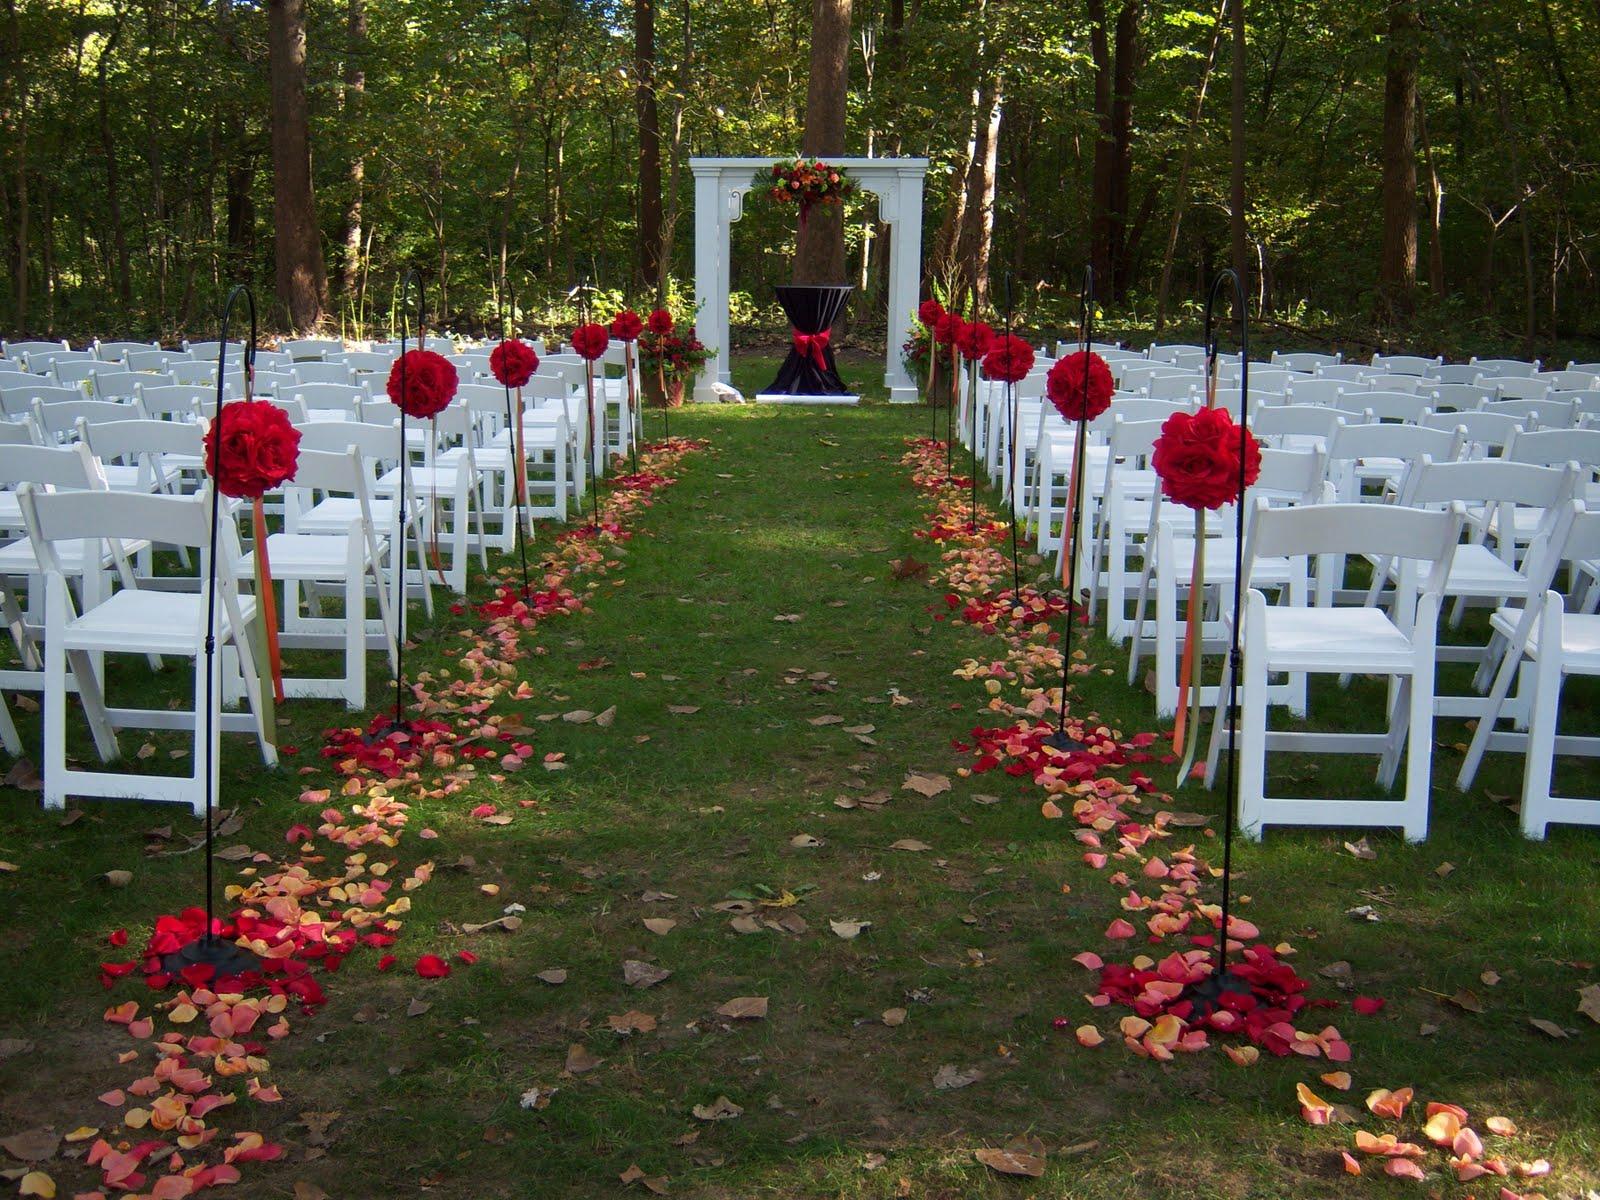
579, 1060
744, 1008
642, 974
1011, 1162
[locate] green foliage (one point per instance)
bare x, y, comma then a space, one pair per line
499, 144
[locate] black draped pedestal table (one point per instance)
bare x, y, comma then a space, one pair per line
809, 375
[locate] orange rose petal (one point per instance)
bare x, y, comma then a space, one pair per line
1337, 1079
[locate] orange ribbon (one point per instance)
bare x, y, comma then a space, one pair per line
266, 599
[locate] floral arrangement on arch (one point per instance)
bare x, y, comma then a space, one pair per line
668, 352
808, 182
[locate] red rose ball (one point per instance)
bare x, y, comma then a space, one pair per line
513, 362
258, 450
626, 325
1197, 458
591, 340
929, 311
1080, 386
1009, 359
974, 340
422, 383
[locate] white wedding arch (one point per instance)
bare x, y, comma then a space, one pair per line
720, 186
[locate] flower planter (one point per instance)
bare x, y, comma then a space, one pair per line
654, 397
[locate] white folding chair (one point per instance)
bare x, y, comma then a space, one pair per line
136, 620
311, 564
310, 349
1322, 638
322, 372
447, 493
1287, 477
1406, 364
1545, 639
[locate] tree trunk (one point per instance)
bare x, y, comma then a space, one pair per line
355, 86
1435, 207
19, 198
977, 235
669, 224
1127, 51
1236, 193
1180, 198
108, 148
1100, 199
302, 284
819, 249
1397, 267
648, 269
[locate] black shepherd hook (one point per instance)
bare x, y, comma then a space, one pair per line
1072, 547
596, 434
1011, 434
514, 449
413, 276
1207, 992
226, 958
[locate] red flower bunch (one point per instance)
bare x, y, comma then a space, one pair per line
430, 383
591, 340
626, 325
947, 328
1197, 458
659, 322
259, 448
974, 340
513, 362
808, 182
929, 311
1009, 359
1074, 399
674, 356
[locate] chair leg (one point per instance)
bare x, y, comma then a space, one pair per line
355, 637
1399, 711
1252, 737
8, 731
1539, 764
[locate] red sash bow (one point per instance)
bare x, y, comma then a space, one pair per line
812, 346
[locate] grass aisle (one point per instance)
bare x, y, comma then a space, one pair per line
764, 665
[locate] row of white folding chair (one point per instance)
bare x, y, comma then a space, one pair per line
1540, 644
552, 457
1305, 362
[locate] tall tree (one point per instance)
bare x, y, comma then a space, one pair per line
302, 283
1116, 64
819, 250
355, 87
646, 110
1236, 192
1397, 263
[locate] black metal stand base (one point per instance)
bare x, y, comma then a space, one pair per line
1065, 742
1206, 994
227, 958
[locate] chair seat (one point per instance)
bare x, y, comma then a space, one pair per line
19, 559
1268, 572
304, 556
1335, 640
123, 479
142, 622
422, 481
1580, 639
336, 514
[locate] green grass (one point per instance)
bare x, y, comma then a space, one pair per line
801, 512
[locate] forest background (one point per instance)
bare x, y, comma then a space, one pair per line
1417, 172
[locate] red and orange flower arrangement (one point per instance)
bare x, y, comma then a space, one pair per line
808, 182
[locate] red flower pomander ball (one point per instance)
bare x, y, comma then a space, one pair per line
1067, 390
1009, 359
259, 448
430, 383
1197, 458
513, 362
